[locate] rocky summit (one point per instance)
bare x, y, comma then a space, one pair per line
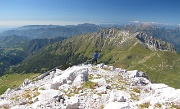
89, 86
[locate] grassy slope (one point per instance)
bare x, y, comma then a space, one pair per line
13, 80
161, 66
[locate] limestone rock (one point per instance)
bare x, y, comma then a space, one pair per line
101, 65
26, 82
7, 91
65, 87
56, 85
81, 76
116, 105
43, 75
100, 82
72, 103
119, 96
47, 94
113, 88
133, 73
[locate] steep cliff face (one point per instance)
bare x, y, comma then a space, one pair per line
155, 44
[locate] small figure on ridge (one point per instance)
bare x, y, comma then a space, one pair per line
95, 57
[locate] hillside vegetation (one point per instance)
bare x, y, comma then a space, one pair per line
12, 41
13, 80
116, 47
14, 53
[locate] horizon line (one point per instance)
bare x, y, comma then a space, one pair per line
14, 24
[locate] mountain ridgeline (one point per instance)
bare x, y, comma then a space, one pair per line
12, 41
15, 49
51, 31
154, 43
166, 33
36, 44
120, 48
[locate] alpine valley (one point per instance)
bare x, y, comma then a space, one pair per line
143, 47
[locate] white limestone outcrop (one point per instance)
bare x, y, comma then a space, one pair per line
91, 87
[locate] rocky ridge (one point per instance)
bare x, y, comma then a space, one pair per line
91, 87
118, 37
155, 44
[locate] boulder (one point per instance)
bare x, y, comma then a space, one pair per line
112, 96
43, 75
121, 99
58, 71
26, 82
119, 96
75, 75
101, 65
101, 90
64, 87
58, 81
83, 72
72, 103
19, 107
52, 72
55, 85
4, 102
143, 81
59, 98
111, 68
105, 66
46, 95
120, 70
117, 105
7, 91
80, 76
78, 80
100, 82
133, 73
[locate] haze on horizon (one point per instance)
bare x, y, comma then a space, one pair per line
71, 12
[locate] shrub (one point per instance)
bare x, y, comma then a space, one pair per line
137, 90
145, 105
158, 105
90, 85
4, 107
134, 97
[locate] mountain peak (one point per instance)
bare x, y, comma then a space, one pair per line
90, 87
123, 36
87, 24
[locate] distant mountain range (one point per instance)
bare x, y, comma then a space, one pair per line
168, 33
164, 32
50, 31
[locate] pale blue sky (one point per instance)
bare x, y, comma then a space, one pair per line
64, 12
